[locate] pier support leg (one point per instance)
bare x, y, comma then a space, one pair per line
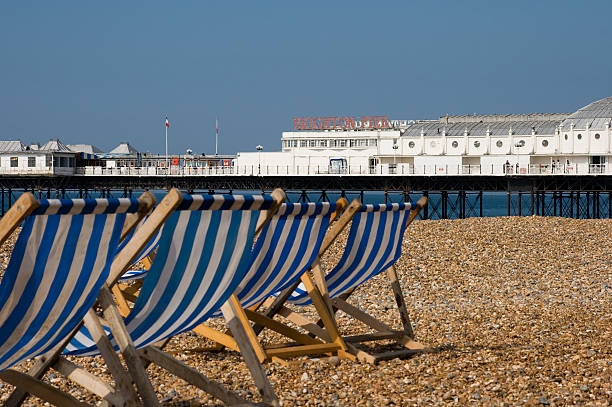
426, 209
386, 196
10, 197
577, 205
2, 201
531, 197
588, 205
520, 203
480, 200
561, 203
509, 197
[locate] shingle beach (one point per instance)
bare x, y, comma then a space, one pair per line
516, 311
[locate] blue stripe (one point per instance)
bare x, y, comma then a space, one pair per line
33, 283
173, 283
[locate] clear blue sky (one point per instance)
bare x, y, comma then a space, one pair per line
104, 72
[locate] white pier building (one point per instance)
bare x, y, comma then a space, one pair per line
561, 143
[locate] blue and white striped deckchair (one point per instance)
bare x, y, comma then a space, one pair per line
59, 263
374, 245
203, 255
285, 249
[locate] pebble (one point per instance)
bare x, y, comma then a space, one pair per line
517, 311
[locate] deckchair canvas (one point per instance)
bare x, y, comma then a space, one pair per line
373, 246
58, 267
201, 258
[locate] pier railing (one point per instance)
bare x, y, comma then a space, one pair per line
390, 169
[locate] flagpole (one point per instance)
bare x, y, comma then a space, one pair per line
166, 125
217, 136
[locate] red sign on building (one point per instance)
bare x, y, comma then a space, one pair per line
341, 122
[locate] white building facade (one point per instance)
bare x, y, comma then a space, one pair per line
564, 143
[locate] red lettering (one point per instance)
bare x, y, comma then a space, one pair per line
296, 123
364, 119
318, 124
385, 122
334, 121
304, 123
326, 123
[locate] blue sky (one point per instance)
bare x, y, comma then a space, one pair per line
105, 72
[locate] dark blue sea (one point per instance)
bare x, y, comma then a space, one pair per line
493, 203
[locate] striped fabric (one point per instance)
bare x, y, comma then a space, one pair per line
373, 245
59, 263
285, 249
203, 255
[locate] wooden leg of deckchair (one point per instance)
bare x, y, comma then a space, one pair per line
122, 378
319, 278
248, 329
122, 304
400, 301
126, 347
39, 388
276, 305
248, 353
38, 369
323, 310
190, 375
221, 339
374, 323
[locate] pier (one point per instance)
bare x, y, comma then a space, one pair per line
451, 196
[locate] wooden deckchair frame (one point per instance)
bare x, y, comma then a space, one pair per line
153, 354
329, 341
403, 337
123, 393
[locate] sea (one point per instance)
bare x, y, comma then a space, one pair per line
493, 203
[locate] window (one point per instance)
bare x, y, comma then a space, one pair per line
342, 143
566, 136
303, 143
31, 162
411, 144
521, 143
312, 143
477, 144
597, 136
455, 144
499, 143
72, 162
14, 162
373, 142
545, 143
579, 136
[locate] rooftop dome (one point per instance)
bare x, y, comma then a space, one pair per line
596, 115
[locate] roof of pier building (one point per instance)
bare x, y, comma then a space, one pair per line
9, 146
478, 126
124, 148
56, 145
85, 148
595, 115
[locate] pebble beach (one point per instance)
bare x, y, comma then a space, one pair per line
514, 311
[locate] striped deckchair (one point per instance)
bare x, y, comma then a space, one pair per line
285, 249
58, 267
202, 256
374, 245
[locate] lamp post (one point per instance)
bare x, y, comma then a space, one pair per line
395, 147
259, 148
